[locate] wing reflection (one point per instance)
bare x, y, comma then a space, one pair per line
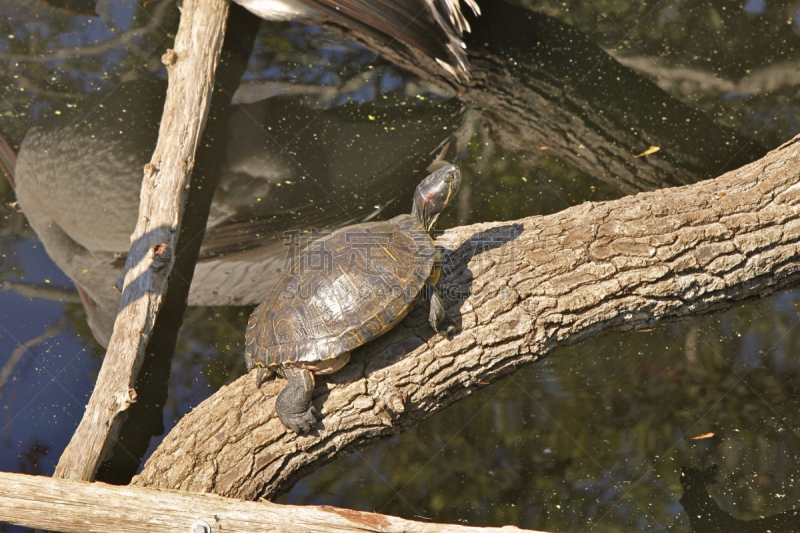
288, 165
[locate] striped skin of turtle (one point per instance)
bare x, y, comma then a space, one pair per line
345, 290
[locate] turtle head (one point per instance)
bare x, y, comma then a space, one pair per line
434, 194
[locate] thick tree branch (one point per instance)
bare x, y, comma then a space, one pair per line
80, 507
521, 289
191, 68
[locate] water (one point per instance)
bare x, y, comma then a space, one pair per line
594, 438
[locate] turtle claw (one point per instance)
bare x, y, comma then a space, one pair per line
301, 423
261, 376
448, 330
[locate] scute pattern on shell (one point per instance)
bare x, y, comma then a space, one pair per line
348, 288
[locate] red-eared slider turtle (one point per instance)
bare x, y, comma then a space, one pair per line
346, 289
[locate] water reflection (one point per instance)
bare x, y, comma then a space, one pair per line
288, 166
705, 515
594, 438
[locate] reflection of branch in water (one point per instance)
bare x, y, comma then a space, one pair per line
562, 91
16, 356
126, 38
769, 78
10, 400
43, 292
29, 85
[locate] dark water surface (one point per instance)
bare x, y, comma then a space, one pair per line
594, 438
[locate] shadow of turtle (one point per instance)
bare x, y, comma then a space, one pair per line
487, 251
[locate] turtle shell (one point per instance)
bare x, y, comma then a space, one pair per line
346, 289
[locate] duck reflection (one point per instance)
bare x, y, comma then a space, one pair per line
288, 165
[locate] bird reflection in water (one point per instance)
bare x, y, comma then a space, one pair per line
288, 166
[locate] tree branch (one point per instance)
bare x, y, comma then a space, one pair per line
520, 290
191, 68
145, 417
99, 508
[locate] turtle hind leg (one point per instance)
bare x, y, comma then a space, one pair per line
262, 375
294, 402
437, 314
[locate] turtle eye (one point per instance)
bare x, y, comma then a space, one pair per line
448, 178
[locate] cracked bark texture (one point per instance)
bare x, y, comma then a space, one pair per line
520, 289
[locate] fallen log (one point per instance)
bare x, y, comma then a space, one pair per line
82, 507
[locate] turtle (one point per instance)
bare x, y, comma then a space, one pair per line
346, 289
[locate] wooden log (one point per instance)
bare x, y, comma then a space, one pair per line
191, 67
145, 417
520, 289
82, 507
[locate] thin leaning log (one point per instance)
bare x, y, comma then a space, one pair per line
191, 66
81, 507
145, 417
521, 289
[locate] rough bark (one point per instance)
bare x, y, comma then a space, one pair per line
519, 289
191, 66
541, 83
80, 507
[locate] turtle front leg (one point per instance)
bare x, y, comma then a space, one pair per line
437, 313
294, 402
